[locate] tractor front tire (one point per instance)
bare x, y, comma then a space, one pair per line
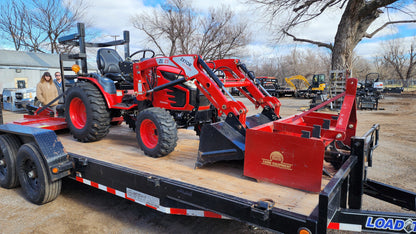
156, 132
33, 176
9, 145
86, 113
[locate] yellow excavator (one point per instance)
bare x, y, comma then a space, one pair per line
318, 85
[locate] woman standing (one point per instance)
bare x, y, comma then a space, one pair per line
46, 91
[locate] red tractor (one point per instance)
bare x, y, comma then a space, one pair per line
155, 95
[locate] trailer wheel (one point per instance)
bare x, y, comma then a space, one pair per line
86, 113
156, 132
9, 145
33, 176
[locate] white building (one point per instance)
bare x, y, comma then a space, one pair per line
20, 69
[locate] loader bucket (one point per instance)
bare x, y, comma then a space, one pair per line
225, 140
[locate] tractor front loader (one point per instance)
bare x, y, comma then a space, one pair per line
219, 140
229, 135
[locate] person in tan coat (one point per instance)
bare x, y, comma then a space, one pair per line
46, 91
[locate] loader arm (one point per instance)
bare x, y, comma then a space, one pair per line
237, 75
193, 68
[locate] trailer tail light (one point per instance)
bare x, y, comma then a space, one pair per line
55, 170
304, 231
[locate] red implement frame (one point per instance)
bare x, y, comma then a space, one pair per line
43, 120
291, 151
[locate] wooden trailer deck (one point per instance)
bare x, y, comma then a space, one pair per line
120, 147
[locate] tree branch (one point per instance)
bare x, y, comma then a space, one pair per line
320, 44
370, 35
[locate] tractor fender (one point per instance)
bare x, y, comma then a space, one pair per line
106, 87
55, 159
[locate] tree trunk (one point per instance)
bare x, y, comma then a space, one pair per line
352, 28
405, 83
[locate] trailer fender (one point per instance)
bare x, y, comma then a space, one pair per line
54, 157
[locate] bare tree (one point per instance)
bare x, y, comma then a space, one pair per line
180, 29
361, 67
11, 24
401, 59
37, 25
298, 62
219, 37
383, 68
169, 30
353, 27
54, 18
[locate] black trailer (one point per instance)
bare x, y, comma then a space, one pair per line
271, 85
171, 185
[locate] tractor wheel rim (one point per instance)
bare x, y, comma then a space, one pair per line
77, 113
148, 134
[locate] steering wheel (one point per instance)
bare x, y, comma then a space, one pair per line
144, 54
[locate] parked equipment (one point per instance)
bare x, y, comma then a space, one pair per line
17, 99
271, 84
157, 95
369, 92
317, 87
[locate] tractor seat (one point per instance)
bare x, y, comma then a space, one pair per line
108, 63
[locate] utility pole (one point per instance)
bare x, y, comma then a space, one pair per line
115, 39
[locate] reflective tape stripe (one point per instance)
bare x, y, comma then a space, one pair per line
345, 227
145, 198
334, 226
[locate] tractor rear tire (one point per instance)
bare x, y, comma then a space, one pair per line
156, 132
9, 145
86, 113
33, 176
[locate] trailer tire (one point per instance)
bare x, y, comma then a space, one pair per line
86, 113
33, 176
156, 132
9, 145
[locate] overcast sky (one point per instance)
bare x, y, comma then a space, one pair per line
111, 17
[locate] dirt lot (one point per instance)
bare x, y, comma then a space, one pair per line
81, 209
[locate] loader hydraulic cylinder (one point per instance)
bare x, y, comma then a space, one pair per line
167, 85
